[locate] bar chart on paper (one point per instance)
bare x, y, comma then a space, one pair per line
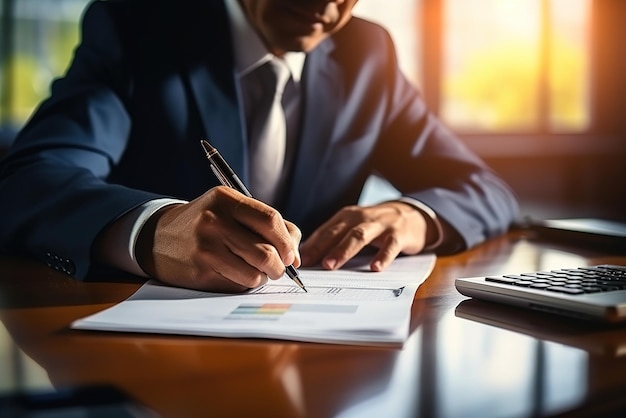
273, 311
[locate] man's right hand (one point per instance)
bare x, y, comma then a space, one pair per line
222, 241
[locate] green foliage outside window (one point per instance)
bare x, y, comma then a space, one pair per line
45, 33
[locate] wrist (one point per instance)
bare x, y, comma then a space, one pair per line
434, 235
147, 241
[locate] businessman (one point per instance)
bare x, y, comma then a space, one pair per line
109, 169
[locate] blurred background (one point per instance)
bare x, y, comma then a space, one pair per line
536, 87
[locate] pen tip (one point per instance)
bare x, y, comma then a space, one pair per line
206, 146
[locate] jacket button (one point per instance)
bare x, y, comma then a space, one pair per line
65, 265
69, 267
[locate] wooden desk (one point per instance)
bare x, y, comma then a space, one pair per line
453, 365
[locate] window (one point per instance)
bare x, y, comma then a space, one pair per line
402, 22
496, 66
516, 65
485, 66
38, 38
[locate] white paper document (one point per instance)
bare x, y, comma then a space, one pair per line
351, 306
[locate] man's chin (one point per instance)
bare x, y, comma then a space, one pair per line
302, 44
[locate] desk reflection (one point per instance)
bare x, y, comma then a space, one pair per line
570, 358
463, 358
188, 376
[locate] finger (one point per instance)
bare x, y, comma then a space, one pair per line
296, 236
388, 251
251, 251
224, 272
269, 224
264, 257
351, 244
322, 240
248, 228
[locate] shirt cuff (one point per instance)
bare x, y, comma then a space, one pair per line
122, 254
432, 216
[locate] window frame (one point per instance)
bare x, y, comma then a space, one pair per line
604, 130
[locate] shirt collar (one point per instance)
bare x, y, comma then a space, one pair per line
250, 52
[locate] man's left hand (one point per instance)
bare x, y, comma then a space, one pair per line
392, 227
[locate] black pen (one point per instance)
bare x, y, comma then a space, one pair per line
229, 178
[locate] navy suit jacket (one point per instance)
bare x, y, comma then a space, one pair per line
150, 78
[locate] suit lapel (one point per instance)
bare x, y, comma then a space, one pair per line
219, 112
212, 86
322, 94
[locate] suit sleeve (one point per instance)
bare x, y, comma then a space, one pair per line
428, 162
55, 199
